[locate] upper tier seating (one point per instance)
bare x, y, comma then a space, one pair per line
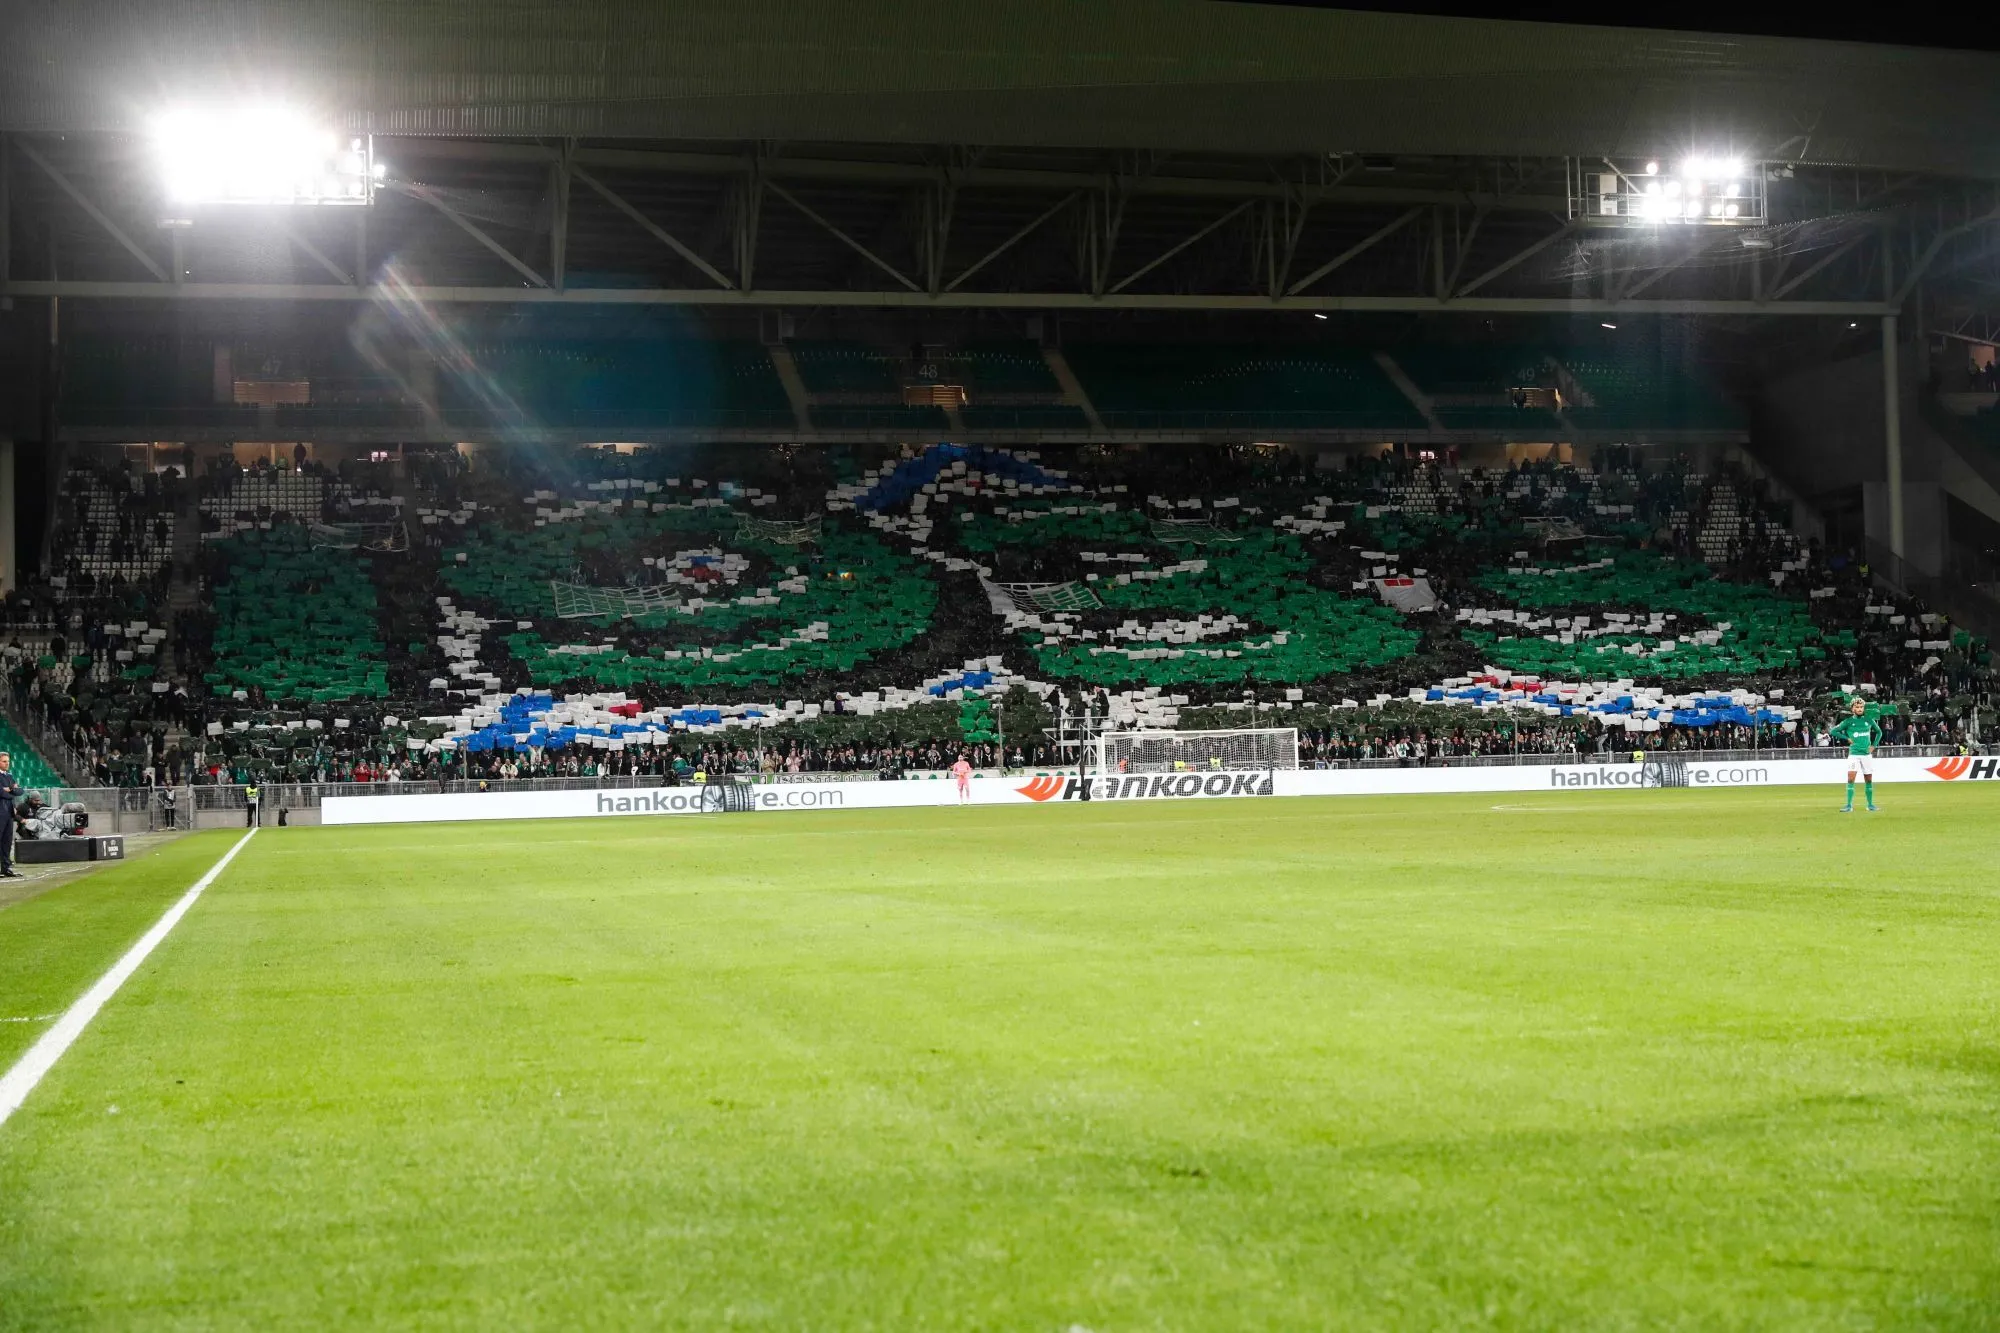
922, 421
1469, 384
847, 368
686, 381
1638, 387
1169, 385
1014, 368
1627, 382
1023, 417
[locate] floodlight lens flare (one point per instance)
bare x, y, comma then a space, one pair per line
258, 154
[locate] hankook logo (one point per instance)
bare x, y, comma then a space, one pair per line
1150, 786
1959, 766
1042, 788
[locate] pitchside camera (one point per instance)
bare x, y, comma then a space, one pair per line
1696, 191
261, 155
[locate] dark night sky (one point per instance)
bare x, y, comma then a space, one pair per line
1951, 27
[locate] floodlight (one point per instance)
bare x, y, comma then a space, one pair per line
1648, 192
260, 155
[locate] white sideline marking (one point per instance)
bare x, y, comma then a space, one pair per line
19, 1081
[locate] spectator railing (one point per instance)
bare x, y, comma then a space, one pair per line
128, 810
48, 742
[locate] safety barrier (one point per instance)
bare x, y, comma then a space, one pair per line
156, 809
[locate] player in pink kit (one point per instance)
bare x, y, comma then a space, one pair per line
963, 772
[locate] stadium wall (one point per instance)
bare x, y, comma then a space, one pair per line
1056, 789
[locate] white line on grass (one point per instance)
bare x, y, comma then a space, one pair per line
19, 1081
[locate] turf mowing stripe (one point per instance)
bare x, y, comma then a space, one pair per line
19, 1081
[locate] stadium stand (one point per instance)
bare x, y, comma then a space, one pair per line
683, 381
1145, 387
1476, 387
624, 610
846, 368
1619, 386
882, 416
1026, 417
1002, 368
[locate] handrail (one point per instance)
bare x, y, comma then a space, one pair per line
47, 741
275, 796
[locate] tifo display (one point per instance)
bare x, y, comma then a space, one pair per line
631, 612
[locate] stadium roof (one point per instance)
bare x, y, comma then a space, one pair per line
999, 154
1192, 75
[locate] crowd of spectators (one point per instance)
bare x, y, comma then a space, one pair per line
63, 680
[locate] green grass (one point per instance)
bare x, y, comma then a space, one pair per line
1588, 1060
53, 945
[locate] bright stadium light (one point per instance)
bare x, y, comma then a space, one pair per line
1701, 189
260, 155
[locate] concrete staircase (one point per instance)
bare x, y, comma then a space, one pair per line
1072, 387
1418, 398
183, 591
795, 387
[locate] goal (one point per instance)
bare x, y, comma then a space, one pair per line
1195, 751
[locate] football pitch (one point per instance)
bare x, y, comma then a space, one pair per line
1576, 1060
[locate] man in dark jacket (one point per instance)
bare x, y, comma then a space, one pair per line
10, 792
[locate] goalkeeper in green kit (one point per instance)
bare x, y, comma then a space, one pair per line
1862, 734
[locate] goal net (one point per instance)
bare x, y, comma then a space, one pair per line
804, 533
1025, 598
391, 538
580, 601
1262, 748
1198, 531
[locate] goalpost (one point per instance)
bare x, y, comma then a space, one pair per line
1258, 748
